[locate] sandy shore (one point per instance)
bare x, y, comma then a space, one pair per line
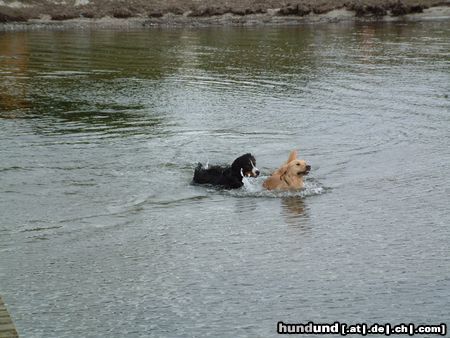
51, 14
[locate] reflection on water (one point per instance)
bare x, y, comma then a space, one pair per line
102, 233
14, 67
295, 212
294, 206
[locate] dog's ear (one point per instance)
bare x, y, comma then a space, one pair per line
282, 171
292, 156
283, 174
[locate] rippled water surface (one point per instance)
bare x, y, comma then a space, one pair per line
102, 234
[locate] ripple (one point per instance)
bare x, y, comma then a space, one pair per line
14, 168
41, 228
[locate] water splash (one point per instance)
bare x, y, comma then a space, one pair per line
253, 188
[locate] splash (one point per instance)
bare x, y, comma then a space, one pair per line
253, 188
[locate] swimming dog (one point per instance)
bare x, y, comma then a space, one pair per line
228, 177
289, 176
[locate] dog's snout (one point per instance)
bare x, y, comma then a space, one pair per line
308, 167
257, 172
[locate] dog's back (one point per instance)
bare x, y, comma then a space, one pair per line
228, 177
209, 175
216, 175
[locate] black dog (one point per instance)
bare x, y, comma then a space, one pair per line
227, 177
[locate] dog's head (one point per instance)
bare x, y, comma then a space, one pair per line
245, 166
295, 167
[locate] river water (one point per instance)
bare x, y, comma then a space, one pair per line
102, 234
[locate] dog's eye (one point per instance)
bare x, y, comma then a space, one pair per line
298, 163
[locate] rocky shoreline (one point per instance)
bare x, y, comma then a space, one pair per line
52, 14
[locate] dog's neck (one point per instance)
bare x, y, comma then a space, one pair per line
284, 178
294, 181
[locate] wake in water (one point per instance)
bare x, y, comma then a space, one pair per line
253, 188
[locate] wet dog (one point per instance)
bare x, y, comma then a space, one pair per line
228, 177
289, 176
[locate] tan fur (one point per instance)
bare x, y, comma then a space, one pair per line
289, 176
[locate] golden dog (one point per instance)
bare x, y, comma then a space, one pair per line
289, 176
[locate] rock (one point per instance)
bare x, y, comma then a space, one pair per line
155, 14
61, 13
288, 10
377, 11
238, 11
122, 13
303, 10
300, 10
369, 10
62, 17
9, 18
417, 9
175, 10
9, 15
207, 11
399, 8
87, 14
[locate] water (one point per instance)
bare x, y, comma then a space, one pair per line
103, 235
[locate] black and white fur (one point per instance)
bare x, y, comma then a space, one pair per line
228, 177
